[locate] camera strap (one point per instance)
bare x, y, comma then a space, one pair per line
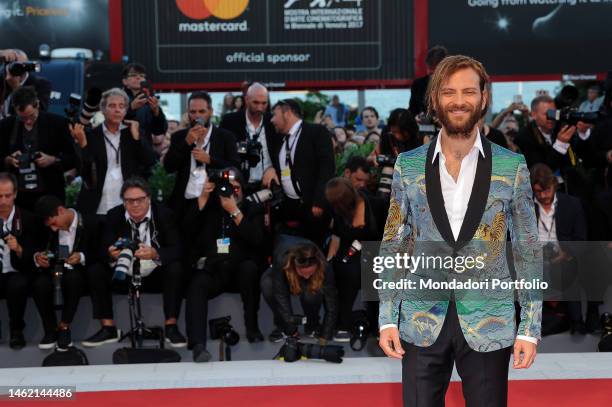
289, 160
116, 150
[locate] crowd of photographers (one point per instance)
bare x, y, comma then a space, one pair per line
257, 207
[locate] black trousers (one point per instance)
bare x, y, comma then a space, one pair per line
73, 283
14, 286
311, 304
296, 219
167, 279
426, 371
222, 276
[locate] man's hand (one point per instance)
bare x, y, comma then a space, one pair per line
154, 105
13, 245
77, 132
201, 156
13, 159
229, 204
9, 55
134, 128
528, 351
390, 342
42, 260
139, 101
317, 212
146, 253
196, 133
113, 252
566, 133
269, 176
74, 259
44, 160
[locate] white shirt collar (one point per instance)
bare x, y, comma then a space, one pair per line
148, 215
75, 222
293, 130
108, 132
9, 221
438, 148
250, 125
554, 206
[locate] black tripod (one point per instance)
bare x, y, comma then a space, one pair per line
138, 330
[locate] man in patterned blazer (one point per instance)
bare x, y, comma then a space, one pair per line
457, 198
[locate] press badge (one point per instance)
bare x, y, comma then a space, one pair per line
223, 245
286, 173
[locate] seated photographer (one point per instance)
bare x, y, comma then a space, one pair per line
60, 281
110, 153
37, 148
17, 72
401, 134
20, 232
143, 105
145, 236
225, 234
201, 146
357, 171
254, 133
354, 221
299, 268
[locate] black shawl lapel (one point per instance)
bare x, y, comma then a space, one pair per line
435, 199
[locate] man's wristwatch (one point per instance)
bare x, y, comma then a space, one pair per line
235, 214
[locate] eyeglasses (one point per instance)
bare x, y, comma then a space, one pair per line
136, 74
135, 201
305, 261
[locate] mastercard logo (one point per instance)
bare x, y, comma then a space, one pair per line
222, 9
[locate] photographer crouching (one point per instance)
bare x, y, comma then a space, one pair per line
225, 234
300, 269
140, 233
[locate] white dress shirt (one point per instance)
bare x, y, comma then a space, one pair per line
197, 178
457, 194
547, 230
7, 267
144, 235
286, 183
113, 180
256, 173
68, 237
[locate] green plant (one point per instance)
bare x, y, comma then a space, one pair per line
72, 192
351, 150
161, 183
313, 102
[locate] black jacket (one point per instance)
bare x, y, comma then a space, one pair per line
53, 139
149, 123
418, 91
536, 150
282, 294
570, 224
165, 236
202, 228
223, 153
30, 232
136, 160
313, 164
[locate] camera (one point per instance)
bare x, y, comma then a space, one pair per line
16, 68
384, 183
250, 151
360, 330
201, 122
273, 196
74, 107
572, 116
56, 261
293, 350
385, 160
125, 260
427, 126
221, 179
220, 328
126, 243
352, 251
28, 174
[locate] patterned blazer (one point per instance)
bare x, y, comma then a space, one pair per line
417, 224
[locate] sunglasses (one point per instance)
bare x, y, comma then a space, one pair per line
305, 261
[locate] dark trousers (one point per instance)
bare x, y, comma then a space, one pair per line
73, 285
296, 219
222, 276
426, 371
14, 287
166, 278
311, 304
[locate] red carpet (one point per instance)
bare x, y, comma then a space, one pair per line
557, 393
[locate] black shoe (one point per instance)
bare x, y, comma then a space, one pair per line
200, 354
64, 339
254, 336
106, 334
277, 335
17, 340
48, 341
174, 337
593, 324
577, 327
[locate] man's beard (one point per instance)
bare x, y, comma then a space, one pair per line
459, 131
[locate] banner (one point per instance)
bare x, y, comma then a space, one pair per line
223, 41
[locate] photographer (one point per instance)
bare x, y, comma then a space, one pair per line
16, 73
152, 246
401, 134
197, 148
304, 162
300, 269
225, 235
37, 148
61, 279
254, 133
20, 234
354, 221
143, 104
110, 153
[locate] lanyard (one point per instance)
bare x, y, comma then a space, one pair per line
289, 148
549, 229
115, 149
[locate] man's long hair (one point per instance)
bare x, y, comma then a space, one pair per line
444, 70
315, 282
